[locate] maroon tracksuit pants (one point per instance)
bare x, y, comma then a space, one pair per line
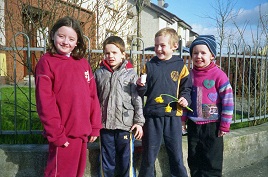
67, 161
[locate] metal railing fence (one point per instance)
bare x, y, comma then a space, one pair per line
247, 73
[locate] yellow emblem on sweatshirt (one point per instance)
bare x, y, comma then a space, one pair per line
174, 75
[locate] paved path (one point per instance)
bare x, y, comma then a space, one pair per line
259, 169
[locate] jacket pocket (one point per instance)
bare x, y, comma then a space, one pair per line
128, 114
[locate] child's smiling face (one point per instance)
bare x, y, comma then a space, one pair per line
201, 56
163, 49
65, 40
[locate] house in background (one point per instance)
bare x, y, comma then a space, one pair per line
99, 19
120, 17
154, 17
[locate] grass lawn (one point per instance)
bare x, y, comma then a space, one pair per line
15, 126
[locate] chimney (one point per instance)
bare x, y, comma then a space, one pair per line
161, 3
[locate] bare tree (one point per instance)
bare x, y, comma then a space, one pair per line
224, 13
259, 33
262, 31
240, 37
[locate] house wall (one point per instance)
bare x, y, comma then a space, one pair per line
173, 25
150, 24
163, 24
185, 35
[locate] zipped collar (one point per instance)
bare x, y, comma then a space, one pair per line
127, 64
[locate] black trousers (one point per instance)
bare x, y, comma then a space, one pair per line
205, 150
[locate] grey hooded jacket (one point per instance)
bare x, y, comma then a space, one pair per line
120, 103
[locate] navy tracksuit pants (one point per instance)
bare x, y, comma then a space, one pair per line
116, 156
155, 130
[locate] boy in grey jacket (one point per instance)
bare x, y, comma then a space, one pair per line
122, 114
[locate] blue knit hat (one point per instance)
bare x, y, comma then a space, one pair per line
208, 40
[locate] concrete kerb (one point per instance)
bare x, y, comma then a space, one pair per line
242, 147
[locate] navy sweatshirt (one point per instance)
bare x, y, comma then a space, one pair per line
165, 77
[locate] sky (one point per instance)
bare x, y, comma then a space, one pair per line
193, 12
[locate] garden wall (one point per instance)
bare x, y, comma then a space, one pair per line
242, 147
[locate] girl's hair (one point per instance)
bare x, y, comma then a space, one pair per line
115, 40
80, 50
174, 37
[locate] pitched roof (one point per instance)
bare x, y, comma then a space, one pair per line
166, 15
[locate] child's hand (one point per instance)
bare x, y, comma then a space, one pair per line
183, 102
139, 132
183, 128
92, 139
221, 133
139, 82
